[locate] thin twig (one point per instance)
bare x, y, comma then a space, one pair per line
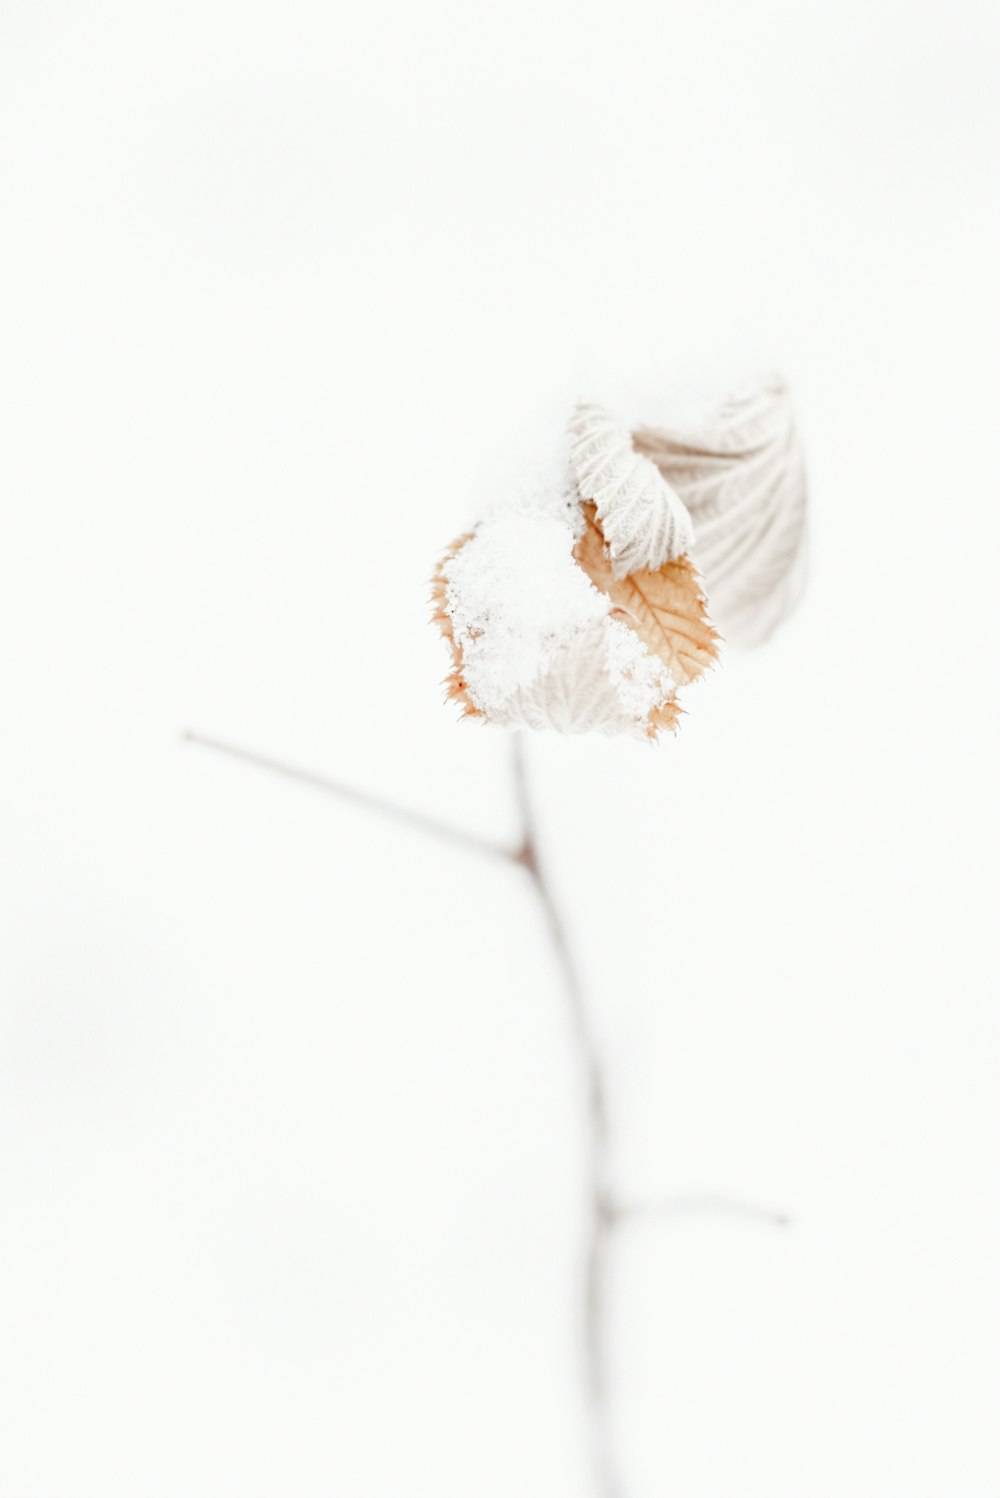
416, 819
600, 1209
700, 1203
605, 1211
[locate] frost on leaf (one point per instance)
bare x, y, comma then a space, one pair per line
643, 520
665, 608
457, 688
542, 635
577, 602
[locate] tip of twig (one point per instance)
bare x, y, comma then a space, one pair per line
695, 1205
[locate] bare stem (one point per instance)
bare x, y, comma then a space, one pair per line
606, 1212
601, 1212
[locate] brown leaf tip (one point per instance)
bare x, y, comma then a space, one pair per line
456, 687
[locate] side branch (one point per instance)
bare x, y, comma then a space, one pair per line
418, 820
606, 1211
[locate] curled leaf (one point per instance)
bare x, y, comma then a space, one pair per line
643, 519
666, 608
739, 469
577, 603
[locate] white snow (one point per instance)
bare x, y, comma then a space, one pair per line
292, 1184
521, 608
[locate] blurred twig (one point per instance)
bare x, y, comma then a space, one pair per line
700, 1202
415, 819
606, 1210
601, 1213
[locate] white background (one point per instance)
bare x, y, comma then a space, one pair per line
290, 1172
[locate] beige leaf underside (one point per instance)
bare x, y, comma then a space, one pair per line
665, 608
739, 469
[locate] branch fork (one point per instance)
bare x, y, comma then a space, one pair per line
607, 1210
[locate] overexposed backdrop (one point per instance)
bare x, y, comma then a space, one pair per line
290, 1170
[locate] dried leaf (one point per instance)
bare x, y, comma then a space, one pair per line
738, 468
580, 693
664, 718
457, 688
666, 608
643, 520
